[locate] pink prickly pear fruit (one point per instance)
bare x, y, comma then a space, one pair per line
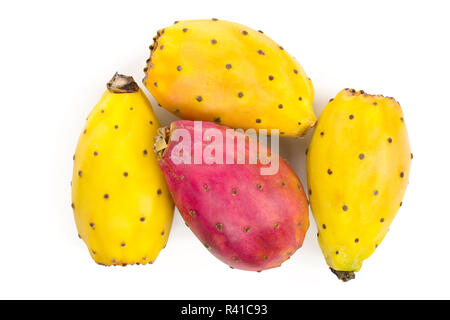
247, 220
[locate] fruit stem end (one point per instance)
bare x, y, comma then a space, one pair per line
344, 275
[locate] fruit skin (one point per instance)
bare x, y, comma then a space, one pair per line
247, 220
358, 165
228, 73
122, 208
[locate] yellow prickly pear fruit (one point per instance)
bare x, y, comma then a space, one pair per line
122, 208
358, 165
230, 74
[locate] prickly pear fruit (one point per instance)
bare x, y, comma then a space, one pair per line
228, 73
358, 166
122, 208
248, 220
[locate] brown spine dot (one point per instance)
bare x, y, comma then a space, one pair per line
375, 193
361, 156
356, 240
258, 120
106, 196
179, 68
247, 229
271, 78
261, 52
280, 106
382, 220
116, 127
219, 227
185, 29
402, 174
324, 226
228, 66
123, 244
199, 98
330, 172
192, 213
295, 71
351, 117
244, 32
125, 174
142, 219
145, 152
159, 192
80, 173
240, 94
344, 207
213, 41
389, 140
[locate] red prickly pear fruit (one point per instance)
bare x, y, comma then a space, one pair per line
248, 220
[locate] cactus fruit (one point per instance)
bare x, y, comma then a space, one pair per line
122, 208
227, 73
248, 220
358, 165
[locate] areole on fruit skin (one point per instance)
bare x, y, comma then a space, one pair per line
247, 220
230, 74
358, 165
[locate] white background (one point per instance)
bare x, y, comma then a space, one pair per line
55, 60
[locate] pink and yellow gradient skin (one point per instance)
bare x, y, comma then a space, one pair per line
247, 220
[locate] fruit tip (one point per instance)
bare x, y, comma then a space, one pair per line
122, 84
344, 275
